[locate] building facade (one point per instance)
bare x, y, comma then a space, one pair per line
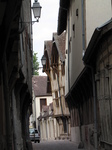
47, 123
79, 19
101, 70
41, 97
55, 68
15, 74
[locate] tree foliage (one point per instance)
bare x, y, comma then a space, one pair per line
35, 64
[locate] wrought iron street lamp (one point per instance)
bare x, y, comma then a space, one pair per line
43, 60
36, 10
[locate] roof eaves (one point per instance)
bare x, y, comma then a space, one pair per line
56, 40
62, 16
97, 35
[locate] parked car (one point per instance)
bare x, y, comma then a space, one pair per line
34, 135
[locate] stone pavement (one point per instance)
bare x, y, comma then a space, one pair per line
55, 145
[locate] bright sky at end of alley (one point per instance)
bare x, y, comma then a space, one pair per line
44, 29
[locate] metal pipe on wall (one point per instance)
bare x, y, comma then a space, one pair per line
7, 105
83, 33
60, 95
68, 54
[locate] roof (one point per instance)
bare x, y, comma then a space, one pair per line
39, 84
48, 48
84, 80
98, 34
62, 16
60, 44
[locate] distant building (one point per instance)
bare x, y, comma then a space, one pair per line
47, 123
41, 96
54, 51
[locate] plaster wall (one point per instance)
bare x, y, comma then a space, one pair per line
50, 128
37, 106
97, 12
75, 134
87, 136
73, 45
93, 17
55, 88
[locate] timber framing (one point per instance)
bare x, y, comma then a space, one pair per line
81, 89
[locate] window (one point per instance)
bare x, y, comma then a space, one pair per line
63, 69
42, 102
48, 85
73, 30
56, 99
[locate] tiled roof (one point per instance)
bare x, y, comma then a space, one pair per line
60, 44
62, 16
39, 84
48, 48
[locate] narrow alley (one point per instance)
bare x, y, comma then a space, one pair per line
55, 145
55, 74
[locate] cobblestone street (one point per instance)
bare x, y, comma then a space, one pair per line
54, 145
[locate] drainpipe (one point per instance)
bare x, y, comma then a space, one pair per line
95, 114
7, 104
68, 54
81, 145
111, 5
83, 33
35, 110
95, 109
60, 96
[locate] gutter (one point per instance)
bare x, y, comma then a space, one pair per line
95, 39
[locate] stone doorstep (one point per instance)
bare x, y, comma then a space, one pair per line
64, 137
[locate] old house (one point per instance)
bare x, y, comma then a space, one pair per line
15, 74
47, 122
54, 51
98, 56
80, 18
42, 96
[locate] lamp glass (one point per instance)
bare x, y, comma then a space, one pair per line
43, 60
36, 10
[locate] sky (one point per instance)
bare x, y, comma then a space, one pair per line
44, 29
